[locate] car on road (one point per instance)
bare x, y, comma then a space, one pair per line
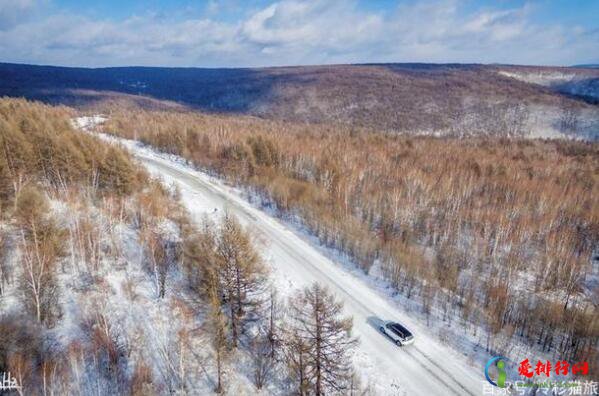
398, 333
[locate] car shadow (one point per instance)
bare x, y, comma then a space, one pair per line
376, 323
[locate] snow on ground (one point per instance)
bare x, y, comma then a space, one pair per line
426, 368
443, 361
120, 288
88, 122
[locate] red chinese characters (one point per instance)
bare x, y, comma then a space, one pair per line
580, 368
561, 367
524, 368
543, 368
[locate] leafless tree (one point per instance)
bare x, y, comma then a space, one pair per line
40, 251
162, 254
260, 352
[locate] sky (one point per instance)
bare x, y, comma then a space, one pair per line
256, 33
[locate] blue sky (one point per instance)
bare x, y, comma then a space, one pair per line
234, 33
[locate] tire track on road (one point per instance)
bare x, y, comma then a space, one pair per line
268, 230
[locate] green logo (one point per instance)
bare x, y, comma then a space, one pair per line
501, 374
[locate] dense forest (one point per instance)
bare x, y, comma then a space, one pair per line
299, 198
486, 233
412, 98
106, 287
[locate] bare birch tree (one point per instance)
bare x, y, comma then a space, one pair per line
41, 245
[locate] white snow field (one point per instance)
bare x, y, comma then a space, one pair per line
425, 368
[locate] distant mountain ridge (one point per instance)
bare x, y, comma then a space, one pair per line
415, 98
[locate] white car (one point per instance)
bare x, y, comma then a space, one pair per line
399, 334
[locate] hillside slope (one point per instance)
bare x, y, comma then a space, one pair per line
462, 100
95, 264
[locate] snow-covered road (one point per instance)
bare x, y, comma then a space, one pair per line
425, 368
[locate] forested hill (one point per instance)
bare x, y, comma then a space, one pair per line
439, 99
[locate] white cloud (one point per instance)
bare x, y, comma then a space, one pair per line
14, 11
293, 32
310, 32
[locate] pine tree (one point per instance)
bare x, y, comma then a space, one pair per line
216, 326
296, 356
241, 274
17, 152
116, 172
322, 341
199, 257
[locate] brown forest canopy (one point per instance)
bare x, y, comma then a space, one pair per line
505, 229
449, 99
39, 144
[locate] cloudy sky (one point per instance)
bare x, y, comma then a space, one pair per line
234, 33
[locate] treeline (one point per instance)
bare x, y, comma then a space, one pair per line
498, 233
38, 144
